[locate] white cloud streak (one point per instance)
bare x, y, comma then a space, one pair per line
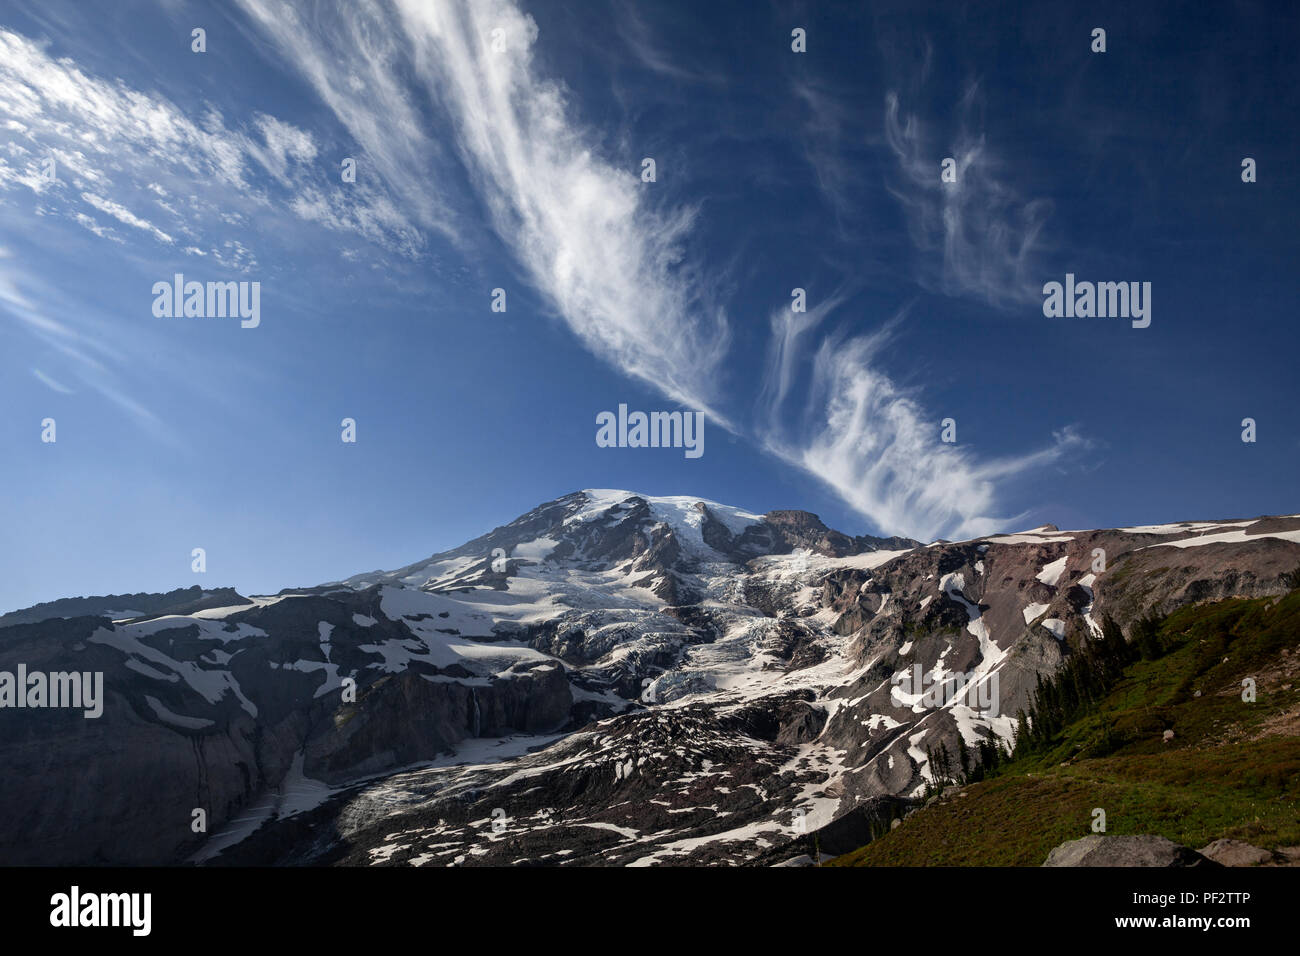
875, 445
124, 215
976, 237
51, 383
114, 148
97, 364
582, 226
351, 61
614, 267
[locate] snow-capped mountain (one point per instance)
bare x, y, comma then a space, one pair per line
609, 678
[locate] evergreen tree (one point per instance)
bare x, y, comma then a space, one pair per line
945, 766
1023, 743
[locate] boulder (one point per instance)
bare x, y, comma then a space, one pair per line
1236, 853
1140, 850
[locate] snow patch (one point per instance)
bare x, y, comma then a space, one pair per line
1052, 571
1032, 611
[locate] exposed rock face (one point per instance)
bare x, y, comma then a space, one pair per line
213, 712
782, 532
1098, 850
435, 717
623, 679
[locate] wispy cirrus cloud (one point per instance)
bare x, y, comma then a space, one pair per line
870, 440
82, 347
87, 350
790, 331
824, 146
873, 442
977, 237
613, 264
115, 149
353, 62
51, 383
583, 227
124, 215
649, 51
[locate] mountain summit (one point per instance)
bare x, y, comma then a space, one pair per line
647, 537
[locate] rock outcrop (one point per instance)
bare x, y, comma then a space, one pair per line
1098, 850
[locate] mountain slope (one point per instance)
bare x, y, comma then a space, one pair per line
679, 680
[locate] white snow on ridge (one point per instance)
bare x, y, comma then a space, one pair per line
443, 641
877, 721
117, 617
1185, 527
804, 560
209, 628
867, 560
991, 655
217, 613
680, 514
432, 571
918, 756
1227, 537
748, 834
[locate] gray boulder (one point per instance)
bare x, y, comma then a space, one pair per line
1143, 850
1236, 853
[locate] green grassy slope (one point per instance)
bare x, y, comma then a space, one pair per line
1232, 769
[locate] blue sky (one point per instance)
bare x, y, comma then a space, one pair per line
520, 169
